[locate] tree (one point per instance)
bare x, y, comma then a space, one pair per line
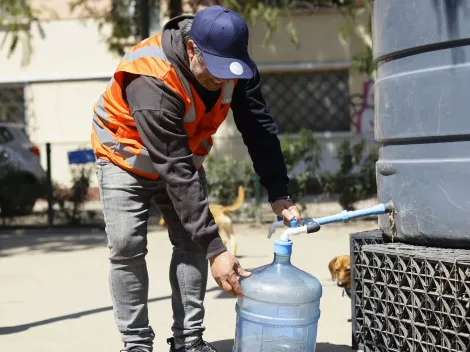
17, 18
358, 18
128, 25
125, 15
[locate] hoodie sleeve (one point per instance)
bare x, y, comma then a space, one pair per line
259, 132
158, 113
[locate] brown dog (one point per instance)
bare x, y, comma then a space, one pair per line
223, 220
339, 269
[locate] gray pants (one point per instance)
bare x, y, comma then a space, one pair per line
126, 198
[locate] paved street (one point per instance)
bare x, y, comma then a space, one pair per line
54, 291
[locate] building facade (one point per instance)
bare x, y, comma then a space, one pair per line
54, 94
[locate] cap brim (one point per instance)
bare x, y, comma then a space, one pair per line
228, 68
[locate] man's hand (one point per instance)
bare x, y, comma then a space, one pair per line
287, 209
226, 271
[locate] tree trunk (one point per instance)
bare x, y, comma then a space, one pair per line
175, 8
144, 19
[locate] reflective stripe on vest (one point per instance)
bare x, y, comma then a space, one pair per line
110, 83
205, 144
146, 51
227, 92
149, 52
191, 115
100, 111
198, 160
141, 162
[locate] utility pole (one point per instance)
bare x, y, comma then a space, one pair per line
144, 19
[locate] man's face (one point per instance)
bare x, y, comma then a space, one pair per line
200, 71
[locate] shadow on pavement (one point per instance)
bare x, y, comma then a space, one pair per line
223, 345
226, 346
15, 241
329, 347
58, 239
6, 330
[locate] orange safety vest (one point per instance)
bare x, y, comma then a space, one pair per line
114, 135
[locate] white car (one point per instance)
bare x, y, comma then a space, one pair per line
22, 178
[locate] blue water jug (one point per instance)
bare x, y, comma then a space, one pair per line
280, 309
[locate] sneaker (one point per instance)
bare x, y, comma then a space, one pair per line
198, 345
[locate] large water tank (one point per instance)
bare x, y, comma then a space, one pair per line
422, 118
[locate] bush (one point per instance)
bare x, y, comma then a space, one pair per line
71, 202
224, 175
306, 149
355, 179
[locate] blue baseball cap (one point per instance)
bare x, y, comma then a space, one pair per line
222, 36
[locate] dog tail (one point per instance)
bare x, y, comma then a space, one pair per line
238, 203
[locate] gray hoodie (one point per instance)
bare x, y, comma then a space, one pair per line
158, 112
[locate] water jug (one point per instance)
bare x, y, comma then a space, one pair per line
280, 308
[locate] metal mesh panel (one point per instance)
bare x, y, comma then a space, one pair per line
12, 107
357, 241
316, 100
415, 298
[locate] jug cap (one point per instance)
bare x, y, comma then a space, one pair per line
282, 247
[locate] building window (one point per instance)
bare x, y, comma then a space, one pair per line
12, 104
315, 100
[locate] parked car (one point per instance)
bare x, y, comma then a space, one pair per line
22, 177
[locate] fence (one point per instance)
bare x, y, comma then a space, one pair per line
415, 298
307, 95
357, 241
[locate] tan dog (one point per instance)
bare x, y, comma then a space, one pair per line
339, 269
223, 220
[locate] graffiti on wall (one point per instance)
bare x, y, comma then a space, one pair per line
365, 117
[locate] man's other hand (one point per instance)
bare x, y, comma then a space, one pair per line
286, 209
226, 270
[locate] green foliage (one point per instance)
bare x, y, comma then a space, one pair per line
124, 27
304, 148
253, 11
71, 201
124, 24
363, 62
17, 18
353, 11
355, 179
224, 175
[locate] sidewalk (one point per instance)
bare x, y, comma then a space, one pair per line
54, 290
